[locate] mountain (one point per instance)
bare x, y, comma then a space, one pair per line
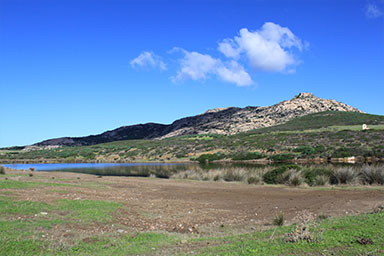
230, 120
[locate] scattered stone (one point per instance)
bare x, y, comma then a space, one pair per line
120, 231
364, 241
44, 213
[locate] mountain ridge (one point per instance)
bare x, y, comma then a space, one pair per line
230, 120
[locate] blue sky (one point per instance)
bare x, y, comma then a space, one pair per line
74, 68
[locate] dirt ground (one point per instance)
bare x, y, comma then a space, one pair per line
196, 207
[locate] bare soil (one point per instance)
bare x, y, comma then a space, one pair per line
194, 207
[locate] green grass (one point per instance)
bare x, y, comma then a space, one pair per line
25, 236
8, 184
337, 236
76, 210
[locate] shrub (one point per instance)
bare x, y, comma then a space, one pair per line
237, 174
321, 180
281, 157
295, 179
306, 223
305, 150
372, 175
310, 175
2, 169
247, 156
278, 220
343, 175
204, 158
253, 180
275, 176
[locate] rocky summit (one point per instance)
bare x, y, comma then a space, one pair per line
217, 121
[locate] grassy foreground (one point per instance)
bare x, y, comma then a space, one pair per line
62, 227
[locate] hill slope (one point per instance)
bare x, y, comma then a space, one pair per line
331, 133
226, 121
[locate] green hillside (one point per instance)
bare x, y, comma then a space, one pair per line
326, 119
327, 134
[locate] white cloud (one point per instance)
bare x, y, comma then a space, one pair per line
267, 49
148, 59
373, 11
197, 66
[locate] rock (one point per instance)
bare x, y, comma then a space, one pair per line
44, 213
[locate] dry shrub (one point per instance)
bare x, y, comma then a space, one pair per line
371, 175
237, 174
321, 180
2, 169
304, 231
254, 180
278, 220
344, 175
295, 179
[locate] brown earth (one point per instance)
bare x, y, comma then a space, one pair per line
202, 207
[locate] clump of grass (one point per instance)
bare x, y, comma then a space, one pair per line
371, 175
276, 176
278, 220
344, 175
30, 175
237, 174
2, 169
311, 175
295, 179
306, 224
254, 180
321, 180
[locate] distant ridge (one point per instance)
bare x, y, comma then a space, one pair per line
230, 120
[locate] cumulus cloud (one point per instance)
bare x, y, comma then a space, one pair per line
267, 49
197, 66
373, 11
148, 59
271, 48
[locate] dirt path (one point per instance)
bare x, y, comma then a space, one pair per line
197, 207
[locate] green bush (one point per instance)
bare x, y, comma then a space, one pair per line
247, 156
275, 176
310, 174
205, 158
305, 150
281, 157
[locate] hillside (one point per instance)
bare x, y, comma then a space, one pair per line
226, 121
326, 134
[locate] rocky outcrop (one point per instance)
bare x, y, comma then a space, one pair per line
218, 121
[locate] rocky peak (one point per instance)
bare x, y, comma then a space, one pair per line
304, 95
